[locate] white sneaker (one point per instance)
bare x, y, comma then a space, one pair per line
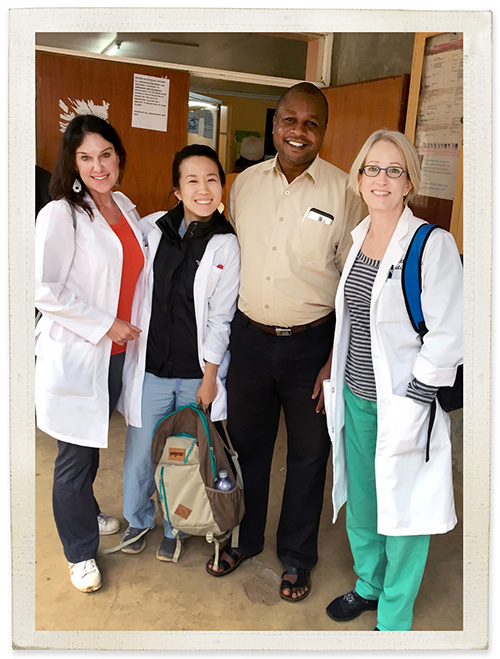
85, 575
107, 525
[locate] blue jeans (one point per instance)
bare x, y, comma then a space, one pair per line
160, 397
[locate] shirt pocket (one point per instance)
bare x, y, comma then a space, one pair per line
311, 242
67, 369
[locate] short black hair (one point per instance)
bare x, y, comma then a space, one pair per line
190, 151
308, 89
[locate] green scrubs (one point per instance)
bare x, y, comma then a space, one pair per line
389, 568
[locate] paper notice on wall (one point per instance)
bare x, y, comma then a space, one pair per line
150, 102
441, 100
438, 177
440, 116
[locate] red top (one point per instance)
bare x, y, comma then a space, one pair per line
133, 261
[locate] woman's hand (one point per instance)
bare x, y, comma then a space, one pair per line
324, 374
208, 389
120, 332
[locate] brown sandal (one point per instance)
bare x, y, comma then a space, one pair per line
225, 565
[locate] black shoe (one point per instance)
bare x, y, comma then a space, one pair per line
349, 606
166, 550
132, 547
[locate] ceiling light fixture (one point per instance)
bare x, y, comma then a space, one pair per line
112, 48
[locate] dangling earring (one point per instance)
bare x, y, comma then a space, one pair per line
220, 208
77, 186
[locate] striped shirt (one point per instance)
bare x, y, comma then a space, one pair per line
359, 375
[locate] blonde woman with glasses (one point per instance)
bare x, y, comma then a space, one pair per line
384, 380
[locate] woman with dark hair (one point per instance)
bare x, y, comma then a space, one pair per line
89, 257
189, 302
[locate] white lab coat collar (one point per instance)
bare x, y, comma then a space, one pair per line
394, 252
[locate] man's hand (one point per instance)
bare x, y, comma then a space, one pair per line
324, 374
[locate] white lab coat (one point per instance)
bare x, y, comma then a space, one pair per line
413, 496
77, 287
215, 296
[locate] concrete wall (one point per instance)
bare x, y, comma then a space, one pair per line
457, 443
358, 57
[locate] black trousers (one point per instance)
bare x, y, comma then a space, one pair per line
268, 374
73, 502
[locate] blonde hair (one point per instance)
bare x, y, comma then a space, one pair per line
406, 147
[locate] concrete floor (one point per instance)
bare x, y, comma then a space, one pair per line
142, 593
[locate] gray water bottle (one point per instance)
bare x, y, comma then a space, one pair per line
224, 482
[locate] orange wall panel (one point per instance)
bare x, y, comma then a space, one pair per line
357, 110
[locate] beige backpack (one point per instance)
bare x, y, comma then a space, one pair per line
188, 452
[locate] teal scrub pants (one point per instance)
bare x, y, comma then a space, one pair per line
389, 568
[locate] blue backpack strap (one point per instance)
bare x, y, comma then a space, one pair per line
411, 281
411, 277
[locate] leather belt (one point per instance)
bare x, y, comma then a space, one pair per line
288, 331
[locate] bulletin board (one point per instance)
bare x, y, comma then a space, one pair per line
435, 124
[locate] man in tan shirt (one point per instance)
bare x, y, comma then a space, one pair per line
293, 216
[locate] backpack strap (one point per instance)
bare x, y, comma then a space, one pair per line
217, 542
112, 550
178, 545
234, 456
411, 277
411, 281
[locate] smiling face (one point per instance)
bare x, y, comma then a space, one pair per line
381, 193
98, 164
298, 131
200, 188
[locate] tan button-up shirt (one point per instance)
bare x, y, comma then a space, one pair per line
290, 262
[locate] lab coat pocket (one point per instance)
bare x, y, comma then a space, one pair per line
407, 426
392, 307
68, 369
213, 278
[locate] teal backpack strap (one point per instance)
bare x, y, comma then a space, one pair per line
411, 277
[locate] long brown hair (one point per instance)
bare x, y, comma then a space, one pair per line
66, 171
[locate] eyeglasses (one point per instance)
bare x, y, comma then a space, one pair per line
374, 170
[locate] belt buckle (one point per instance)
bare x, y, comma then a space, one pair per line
283, 331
